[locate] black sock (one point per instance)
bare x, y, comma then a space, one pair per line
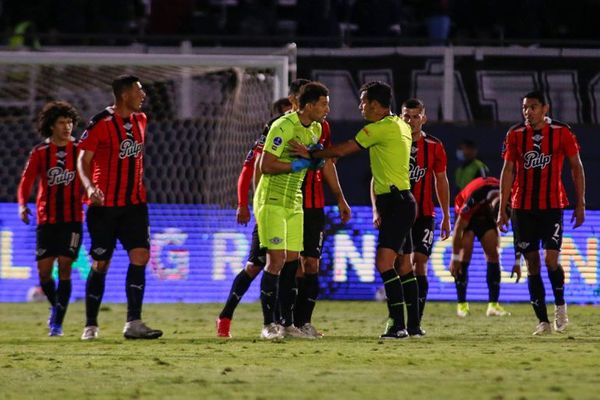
49, 289
63, 295
135, 283
239, 287
395, 297
461, 283
411, 299
557, 279
493, 281
423, 284
537, 294
312, 294
288, 291
268, 296
301, 300
94, 290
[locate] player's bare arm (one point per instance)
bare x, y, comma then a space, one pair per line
331, 177
442, 191
339, 150
376, 216
506, 181
84, 169
578, 176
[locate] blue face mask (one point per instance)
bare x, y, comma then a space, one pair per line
460, 155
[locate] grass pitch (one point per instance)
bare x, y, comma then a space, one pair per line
475, 358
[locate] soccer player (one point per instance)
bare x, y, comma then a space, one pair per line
427, 170
388, 139
534, 153
59, 210
314, 220
474, 209
111, 168
278, 206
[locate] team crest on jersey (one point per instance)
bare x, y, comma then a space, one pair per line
60, 176
130, 148
276, 240
534, 159
416, 172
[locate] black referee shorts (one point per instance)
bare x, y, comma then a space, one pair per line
397, 211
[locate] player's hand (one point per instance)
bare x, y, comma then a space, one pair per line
376, 219
502, 221
345, 211
298, 149
456, 269
516, 269
578, 216
445, 228
24, 213
242, 215
95, 195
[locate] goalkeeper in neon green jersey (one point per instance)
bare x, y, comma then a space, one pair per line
278, 203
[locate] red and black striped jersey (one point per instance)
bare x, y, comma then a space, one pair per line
427, 158
118, 162
59, 194
478, 194
538, 156
312, 187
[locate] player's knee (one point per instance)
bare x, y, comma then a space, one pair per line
551, 262
139, 256
253, 270
64, 268
101, 266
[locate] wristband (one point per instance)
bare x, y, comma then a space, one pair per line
455, 257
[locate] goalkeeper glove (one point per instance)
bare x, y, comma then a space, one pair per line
299, 164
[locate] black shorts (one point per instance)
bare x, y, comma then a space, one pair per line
54, 240
258, 255
533, 226
128, 224
421, 236
314, 224
397, 211
480, 224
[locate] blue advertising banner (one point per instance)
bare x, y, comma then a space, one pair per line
196, 250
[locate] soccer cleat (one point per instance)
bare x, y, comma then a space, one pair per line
51, 317
561, 321
462, 310
310, 330
543, 328
496, 310
272, 332
138, 330
416, 332
294, 332
90, 333
56, 330
223, 327
392, 331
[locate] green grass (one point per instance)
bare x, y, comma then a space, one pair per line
475, 358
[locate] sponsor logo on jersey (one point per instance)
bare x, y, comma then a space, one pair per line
130, 148
60, 176
534, 159
416, 172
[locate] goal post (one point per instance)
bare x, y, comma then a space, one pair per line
204, 112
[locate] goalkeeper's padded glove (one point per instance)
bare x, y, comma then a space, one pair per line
300, 163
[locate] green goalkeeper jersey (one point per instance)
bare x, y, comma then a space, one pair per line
285, 190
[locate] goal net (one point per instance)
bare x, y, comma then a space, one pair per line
204, 112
